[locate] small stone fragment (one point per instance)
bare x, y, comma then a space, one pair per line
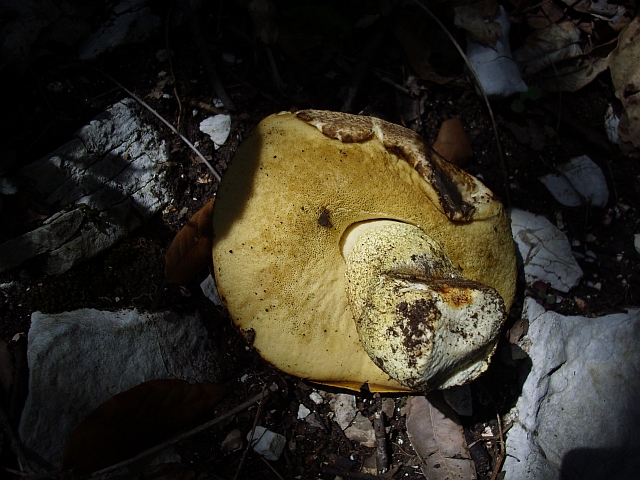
388, 407
344, 406
232, 442
314, 420
267, 443
303, 412
217, 127
636, 242
316, 398
208, 287
361, 431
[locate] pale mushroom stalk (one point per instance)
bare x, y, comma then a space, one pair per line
418, 318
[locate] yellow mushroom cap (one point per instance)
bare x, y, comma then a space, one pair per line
293, 222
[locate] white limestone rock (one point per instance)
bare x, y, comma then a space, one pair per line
217, 127
344, 407
267, 443
578, 415
545, 251
580, 180
79, 359
496, 69
105, 183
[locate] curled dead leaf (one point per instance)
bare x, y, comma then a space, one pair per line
419, 47
625, 74
453, 142
135, 420
438, 438
190, 250
478, 20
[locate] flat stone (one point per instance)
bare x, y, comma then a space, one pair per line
545, 251
579, 412
580, 181
105, 183
79, 359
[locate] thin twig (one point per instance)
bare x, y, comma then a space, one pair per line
382, 457
498, 465
158, 448
173, 77
360, 70
272, 469
555, 70
484, 96
171, 127
206, 59
253, 431
400, 88
14, 441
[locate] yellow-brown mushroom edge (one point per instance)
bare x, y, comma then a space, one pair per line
284, 220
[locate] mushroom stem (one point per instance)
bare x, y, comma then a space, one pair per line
419, 319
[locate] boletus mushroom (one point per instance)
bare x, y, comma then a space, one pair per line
354, 254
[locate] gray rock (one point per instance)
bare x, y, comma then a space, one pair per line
545, 251
105, 182
267, 443
579, 412
79, 359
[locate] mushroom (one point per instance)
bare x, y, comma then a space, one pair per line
353, 254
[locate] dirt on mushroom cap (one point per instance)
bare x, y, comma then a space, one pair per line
283, 206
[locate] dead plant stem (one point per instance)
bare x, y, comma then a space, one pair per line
271, 467
158, 448
173, 76
483, 94
253, 431
157, 115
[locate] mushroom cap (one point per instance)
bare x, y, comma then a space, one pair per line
295, 191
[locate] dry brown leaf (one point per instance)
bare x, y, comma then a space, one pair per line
551, 45
135, 420
453, 142
623, 63
417, 47
438, 439
190, 250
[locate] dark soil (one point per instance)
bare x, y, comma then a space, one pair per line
318, 65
